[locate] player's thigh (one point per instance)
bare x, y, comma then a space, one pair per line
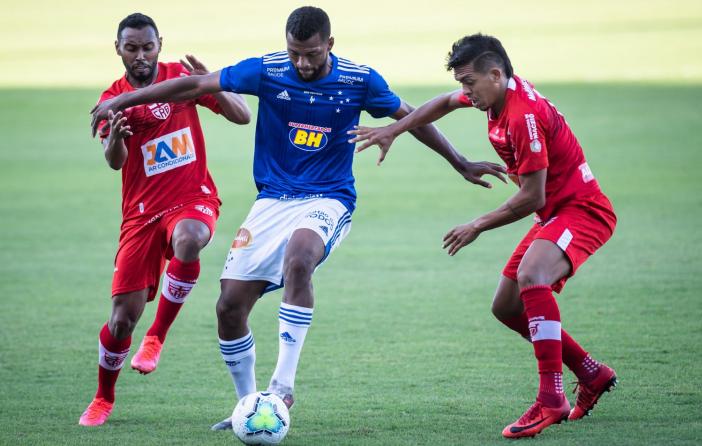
506, 304
543, 263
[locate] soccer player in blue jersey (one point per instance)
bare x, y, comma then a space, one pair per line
308, 99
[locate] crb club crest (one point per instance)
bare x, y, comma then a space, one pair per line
178, 291
160, 110
114, 361
533, 329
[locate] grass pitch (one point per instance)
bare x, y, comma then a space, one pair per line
403, 348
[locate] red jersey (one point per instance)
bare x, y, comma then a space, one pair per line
166, 162
530, 134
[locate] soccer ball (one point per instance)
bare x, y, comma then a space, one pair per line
260, 418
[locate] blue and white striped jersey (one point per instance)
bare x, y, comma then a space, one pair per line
301, 147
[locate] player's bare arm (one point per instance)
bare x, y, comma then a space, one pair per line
233, 106
172, 90
419, 123
115, 149
530, 197
427, 113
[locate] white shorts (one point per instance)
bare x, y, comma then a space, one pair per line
258, 250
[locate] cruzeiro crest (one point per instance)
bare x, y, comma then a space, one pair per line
264, 419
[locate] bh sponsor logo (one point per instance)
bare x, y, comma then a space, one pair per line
168, 152
309, 138
242, 239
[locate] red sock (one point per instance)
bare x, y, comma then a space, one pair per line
179, 279
113, 351
520, 324
545, 328
574, 357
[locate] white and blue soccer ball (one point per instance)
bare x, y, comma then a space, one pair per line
260, 418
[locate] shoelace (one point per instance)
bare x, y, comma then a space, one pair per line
97, 409
150, 348
531, 413
583, 393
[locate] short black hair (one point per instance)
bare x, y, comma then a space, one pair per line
136, 21
483, 51
307, 21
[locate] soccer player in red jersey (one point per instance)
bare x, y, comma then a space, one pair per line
573, 218
169, 203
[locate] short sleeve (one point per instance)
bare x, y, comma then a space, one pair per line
380, 100
528, 138
244, 77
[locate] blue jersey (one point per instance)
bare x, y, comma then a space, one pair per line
302, 149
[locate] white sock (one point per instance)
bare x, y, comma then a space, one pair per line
240, 357
293, 324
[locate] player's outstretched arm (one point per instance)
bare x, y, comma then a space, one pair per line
115, 149
233, 106
530, 197
172, 90
383, 137
431, 136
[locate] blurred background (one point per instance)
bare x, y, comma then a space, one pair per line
44, 44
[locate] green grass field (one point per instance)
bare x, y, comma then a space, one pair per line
403, 348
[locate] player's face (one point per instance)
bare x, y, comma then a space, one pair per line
483, 89
139, 50
310, 57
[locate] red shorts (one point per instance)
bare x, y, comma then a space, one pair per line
144, 247
579, 228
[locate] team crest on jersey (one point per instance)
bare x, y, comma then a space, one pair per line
168, 152
309, 138
160, 110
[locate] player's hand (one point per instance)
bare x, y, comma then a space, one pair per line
459, 237
118, 125
380, 136
193, 65
473, 172
100, 113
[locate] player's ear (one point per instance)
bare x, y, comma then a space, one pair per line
160, 44
330, 43
495, 74
117, 50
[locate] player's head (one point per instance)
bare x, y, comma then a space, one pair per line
308, 35
480, 64
138, 43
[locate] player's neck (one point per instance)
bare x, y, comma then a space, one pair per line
136, 83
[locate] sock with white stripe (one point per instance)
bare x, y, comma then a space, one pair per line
545, 329
294, 322
240, 357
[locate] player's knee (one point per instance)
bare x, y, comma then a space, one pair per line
298, 268
498, 310
188, 246
121, 326
230, 310
529, 277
